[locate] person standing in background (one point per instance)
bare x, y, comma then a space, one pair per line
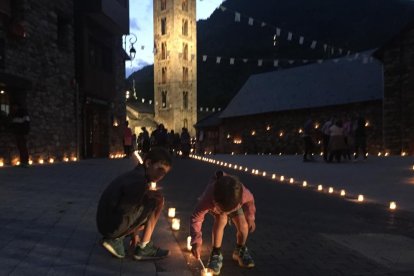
21, 128
127, 140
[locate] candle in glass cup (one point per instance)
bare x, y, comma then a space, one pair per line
207, 272
189, 247
175, 224
153, 186
171, 212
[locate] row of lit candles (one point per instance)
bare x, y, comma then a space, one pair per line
342, 192
41, 161
379, 154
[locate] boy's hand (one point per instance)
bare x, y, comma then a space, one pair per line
196, 250
252, 225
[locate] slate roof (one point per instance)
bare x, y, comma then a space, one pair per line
316, 85
141, 107
212, 120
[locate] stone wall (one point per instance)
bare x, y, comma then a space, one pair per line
279, 132
49, 64
398, 59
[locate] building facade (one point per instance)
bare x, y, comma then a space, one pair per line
100, 74
37, 72
63, 61
398, 58
175, 64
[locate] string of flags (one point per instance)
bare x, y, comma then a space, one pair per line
280, 62
290, 36
201, 109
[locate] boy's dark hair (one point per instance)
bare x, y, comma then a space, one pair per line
158, 154
228, 192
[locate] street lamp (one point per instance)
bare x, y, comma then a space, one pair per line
132, 40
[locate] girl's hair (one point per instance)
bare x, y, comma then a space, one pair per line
228, 192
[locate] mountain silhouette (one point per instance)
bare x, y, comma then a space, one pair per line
354, 25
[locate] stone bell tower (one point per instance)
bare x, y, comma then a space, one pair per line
175, 64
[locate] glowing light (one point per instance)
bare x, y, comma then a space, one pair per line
273, 176
30, 162
330, 190
343, 193
66, 159
316, 125
360, 198
171, 212
51, 160
175, 224
367, 124
403, 153
235, 167
387, 153
17, 163
304, 184
228, 136
393, 205
379, 153
264, 173
189, 247
282, 178
240, 168
300, 130
1, 163
320, 187
253, 132
153, 186
246, 169
207, 272
74, 159
281, 134
268, 128
41, 161
291, 180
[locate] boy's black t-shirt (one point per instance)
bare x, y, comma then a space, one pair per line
122, 202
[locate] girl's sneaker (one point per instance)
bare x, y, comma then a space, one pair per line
115, 247
215, 262
150, 252
243, 257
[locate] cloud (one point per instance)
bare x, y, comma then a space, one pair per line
133, 24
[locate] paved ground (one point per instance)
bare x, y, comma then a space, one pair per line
301, 231
47, 222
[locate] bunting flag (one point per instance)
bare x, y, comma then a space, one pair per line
276, 62
301, 40
237, 17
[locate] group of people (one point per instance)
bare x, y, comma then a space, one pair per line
129, 206
341, 138
160, 137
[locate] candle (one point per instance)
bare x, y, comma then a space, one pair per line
67, 159
41, 161
30, 162
206, 272
360, 198
291, 181
1, 163
264, 173
273, 176
304, 184
343, 193
393, 205
320, 188
175, 224
51, 160
282, 178
153, 186
330, 190
171, 212
189, 247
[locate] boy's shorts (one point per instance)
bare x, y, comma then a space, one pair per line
231, 215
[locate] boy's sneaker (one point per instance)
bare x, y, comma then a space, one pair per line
243, 257
150, 252
115, 246
215, 262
